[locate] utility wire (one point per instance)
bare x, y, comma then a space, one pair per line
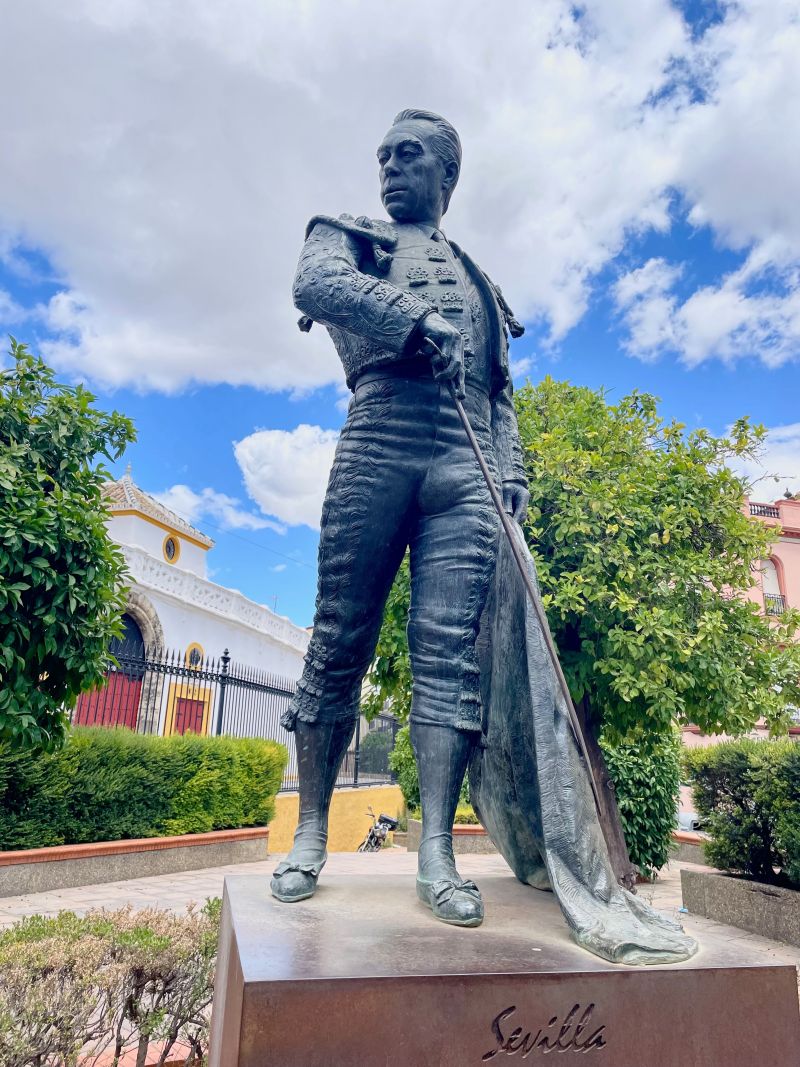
258, 544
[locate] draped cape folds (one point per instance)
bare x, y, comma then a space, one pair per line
530, 787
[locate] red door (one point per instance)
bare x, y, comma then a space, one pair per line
188, 715
116, 704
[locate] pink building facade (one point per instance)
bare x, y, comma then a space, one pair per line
778, 585
775, 588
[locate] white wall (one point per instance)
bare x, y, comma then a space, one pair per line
186, 625
192, 609
134, 530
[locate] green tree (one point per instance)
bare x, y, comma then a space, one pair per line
644, 553
389, 678
61, 578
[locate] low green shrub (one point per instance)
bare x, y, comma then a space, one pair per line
748, 794
90, 989
465, 816
647, 785
403, 764
784, 801
108, 785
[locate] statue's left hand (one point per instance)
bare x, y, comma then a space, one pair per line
515, 499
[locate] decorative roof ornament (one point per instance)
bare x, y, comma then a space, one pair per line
126, 496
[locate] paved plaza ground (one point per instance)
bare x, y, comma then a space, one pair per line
177, 890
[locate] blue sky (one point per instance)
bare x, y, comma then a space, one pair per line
628, 179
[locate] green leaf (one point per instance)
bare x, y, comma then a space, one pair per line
61, 579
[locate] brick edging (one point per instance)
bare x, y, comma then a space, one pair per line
688, 837
54, 853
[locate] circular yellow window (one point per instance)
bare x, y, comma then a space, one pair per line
194, 655
171, 549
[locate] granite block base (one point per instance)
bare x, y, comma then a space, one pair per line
363, 975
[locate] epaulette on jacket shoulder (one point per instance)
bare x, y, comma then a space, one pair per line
376, 231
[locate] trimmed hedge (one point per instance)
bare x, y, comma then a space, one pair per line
748, 794
647, 782
464, 816
112, 784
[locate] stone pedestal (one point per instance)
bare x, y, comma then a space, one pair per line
363, 976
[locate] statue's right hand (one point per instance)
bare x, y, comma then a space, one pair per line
446, 349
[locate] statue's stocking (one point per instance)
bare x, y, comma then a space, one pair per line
320, 750
442, 754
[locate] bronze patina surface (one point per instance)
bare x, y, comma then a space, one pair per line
360, 978
430, 460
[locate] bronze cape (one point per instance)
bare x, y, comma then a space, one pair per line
530, 787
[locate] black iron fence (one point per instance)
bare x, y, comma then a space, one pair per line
156, 691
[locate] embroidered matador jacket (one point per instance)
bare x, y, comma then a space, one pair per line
372, 285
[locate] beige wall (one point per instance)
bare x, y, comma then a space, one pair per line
348, 823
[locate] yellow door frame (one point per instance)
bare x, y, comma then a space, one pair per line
190, 691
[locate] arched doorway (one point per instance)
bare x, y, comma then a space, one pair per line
143, 612
132, 641
117, 702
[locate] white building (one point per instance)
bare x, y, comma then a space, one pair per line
172, 603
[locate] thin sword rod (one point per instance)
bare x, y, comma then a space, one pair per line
523, 570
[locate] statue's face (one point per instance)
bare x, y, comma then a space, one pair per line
411, 174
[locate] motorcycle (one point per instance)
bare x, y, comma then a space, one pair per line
376, 836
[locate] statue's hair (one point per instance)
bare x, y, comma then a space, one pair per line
445, 141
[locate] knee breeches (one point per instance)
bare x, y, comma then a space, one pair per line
404, 476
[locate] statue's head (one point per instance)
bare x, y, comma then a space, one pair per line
420, 159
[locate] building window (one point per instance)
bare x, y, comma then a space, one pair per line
194, 655
774, 602
171, 549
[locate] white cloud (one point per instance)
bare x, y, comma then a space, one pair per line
778, 467
343, 398
11, 313
521, 367
644, 296
167, 156
286, 471
209, 504
654, 278
754, 310
737, 151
